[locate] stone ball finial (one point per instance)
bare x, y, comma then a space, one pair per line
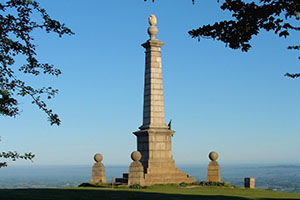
152, 30
98, 157
152, 20
213, 156
136, 156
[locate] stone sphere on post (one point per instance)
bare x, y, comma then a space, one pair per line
136, 156
98, 157
213, 156
213, 169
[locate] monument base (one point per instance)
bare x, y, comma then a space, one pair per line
159, 166
170, 175
154, 144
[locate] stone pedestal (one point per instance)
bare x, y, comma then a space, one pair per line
249, 183
136, 170
98, 171
213, 170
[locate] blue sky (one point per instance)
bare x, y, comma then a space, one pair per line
219, 99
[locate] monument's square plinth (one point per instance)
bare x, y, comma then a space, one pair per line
159, 165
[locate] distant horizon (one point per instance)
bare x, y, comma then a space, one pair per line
178, 165
283, 178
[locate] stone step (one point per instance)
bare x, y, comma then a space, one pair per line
121, 180
163, 180
125, 175
164, 170
166, 175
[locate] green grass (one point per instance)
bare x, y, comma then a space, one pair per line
156, 192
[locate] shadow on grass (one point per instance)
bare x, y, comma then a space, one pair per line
66, 194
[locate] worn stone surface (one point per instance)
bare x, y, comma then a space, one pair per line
136, 156
213, 170
98, 157
98, 170
213, 156
136, 173
154, 136
152, 20
249, 183
153, 112
152, 30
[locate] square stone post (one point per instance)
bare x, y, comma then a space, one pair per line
249, 183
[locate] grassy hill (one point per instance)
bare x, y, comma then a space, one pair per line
157, 192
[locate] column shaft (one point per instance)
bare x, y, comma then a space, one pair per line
153, 113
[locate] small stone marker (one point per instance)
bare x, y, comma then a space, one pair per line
249, 183
213, 170
98, 171
136, 170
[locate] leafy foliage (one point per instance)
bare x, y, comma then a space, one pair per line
99, 185
16, 40
136, 186
14, 156
206, 183
16, 27
247, 21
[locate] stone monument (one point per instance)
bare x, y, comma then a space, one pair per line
98, 171
154, 136
213, 170
136, 170
249, 183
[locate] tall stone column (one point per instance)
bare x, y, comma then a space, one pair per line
153, 113
154, 136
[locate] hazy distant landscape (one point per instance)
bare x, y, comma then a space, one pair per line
284, 178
